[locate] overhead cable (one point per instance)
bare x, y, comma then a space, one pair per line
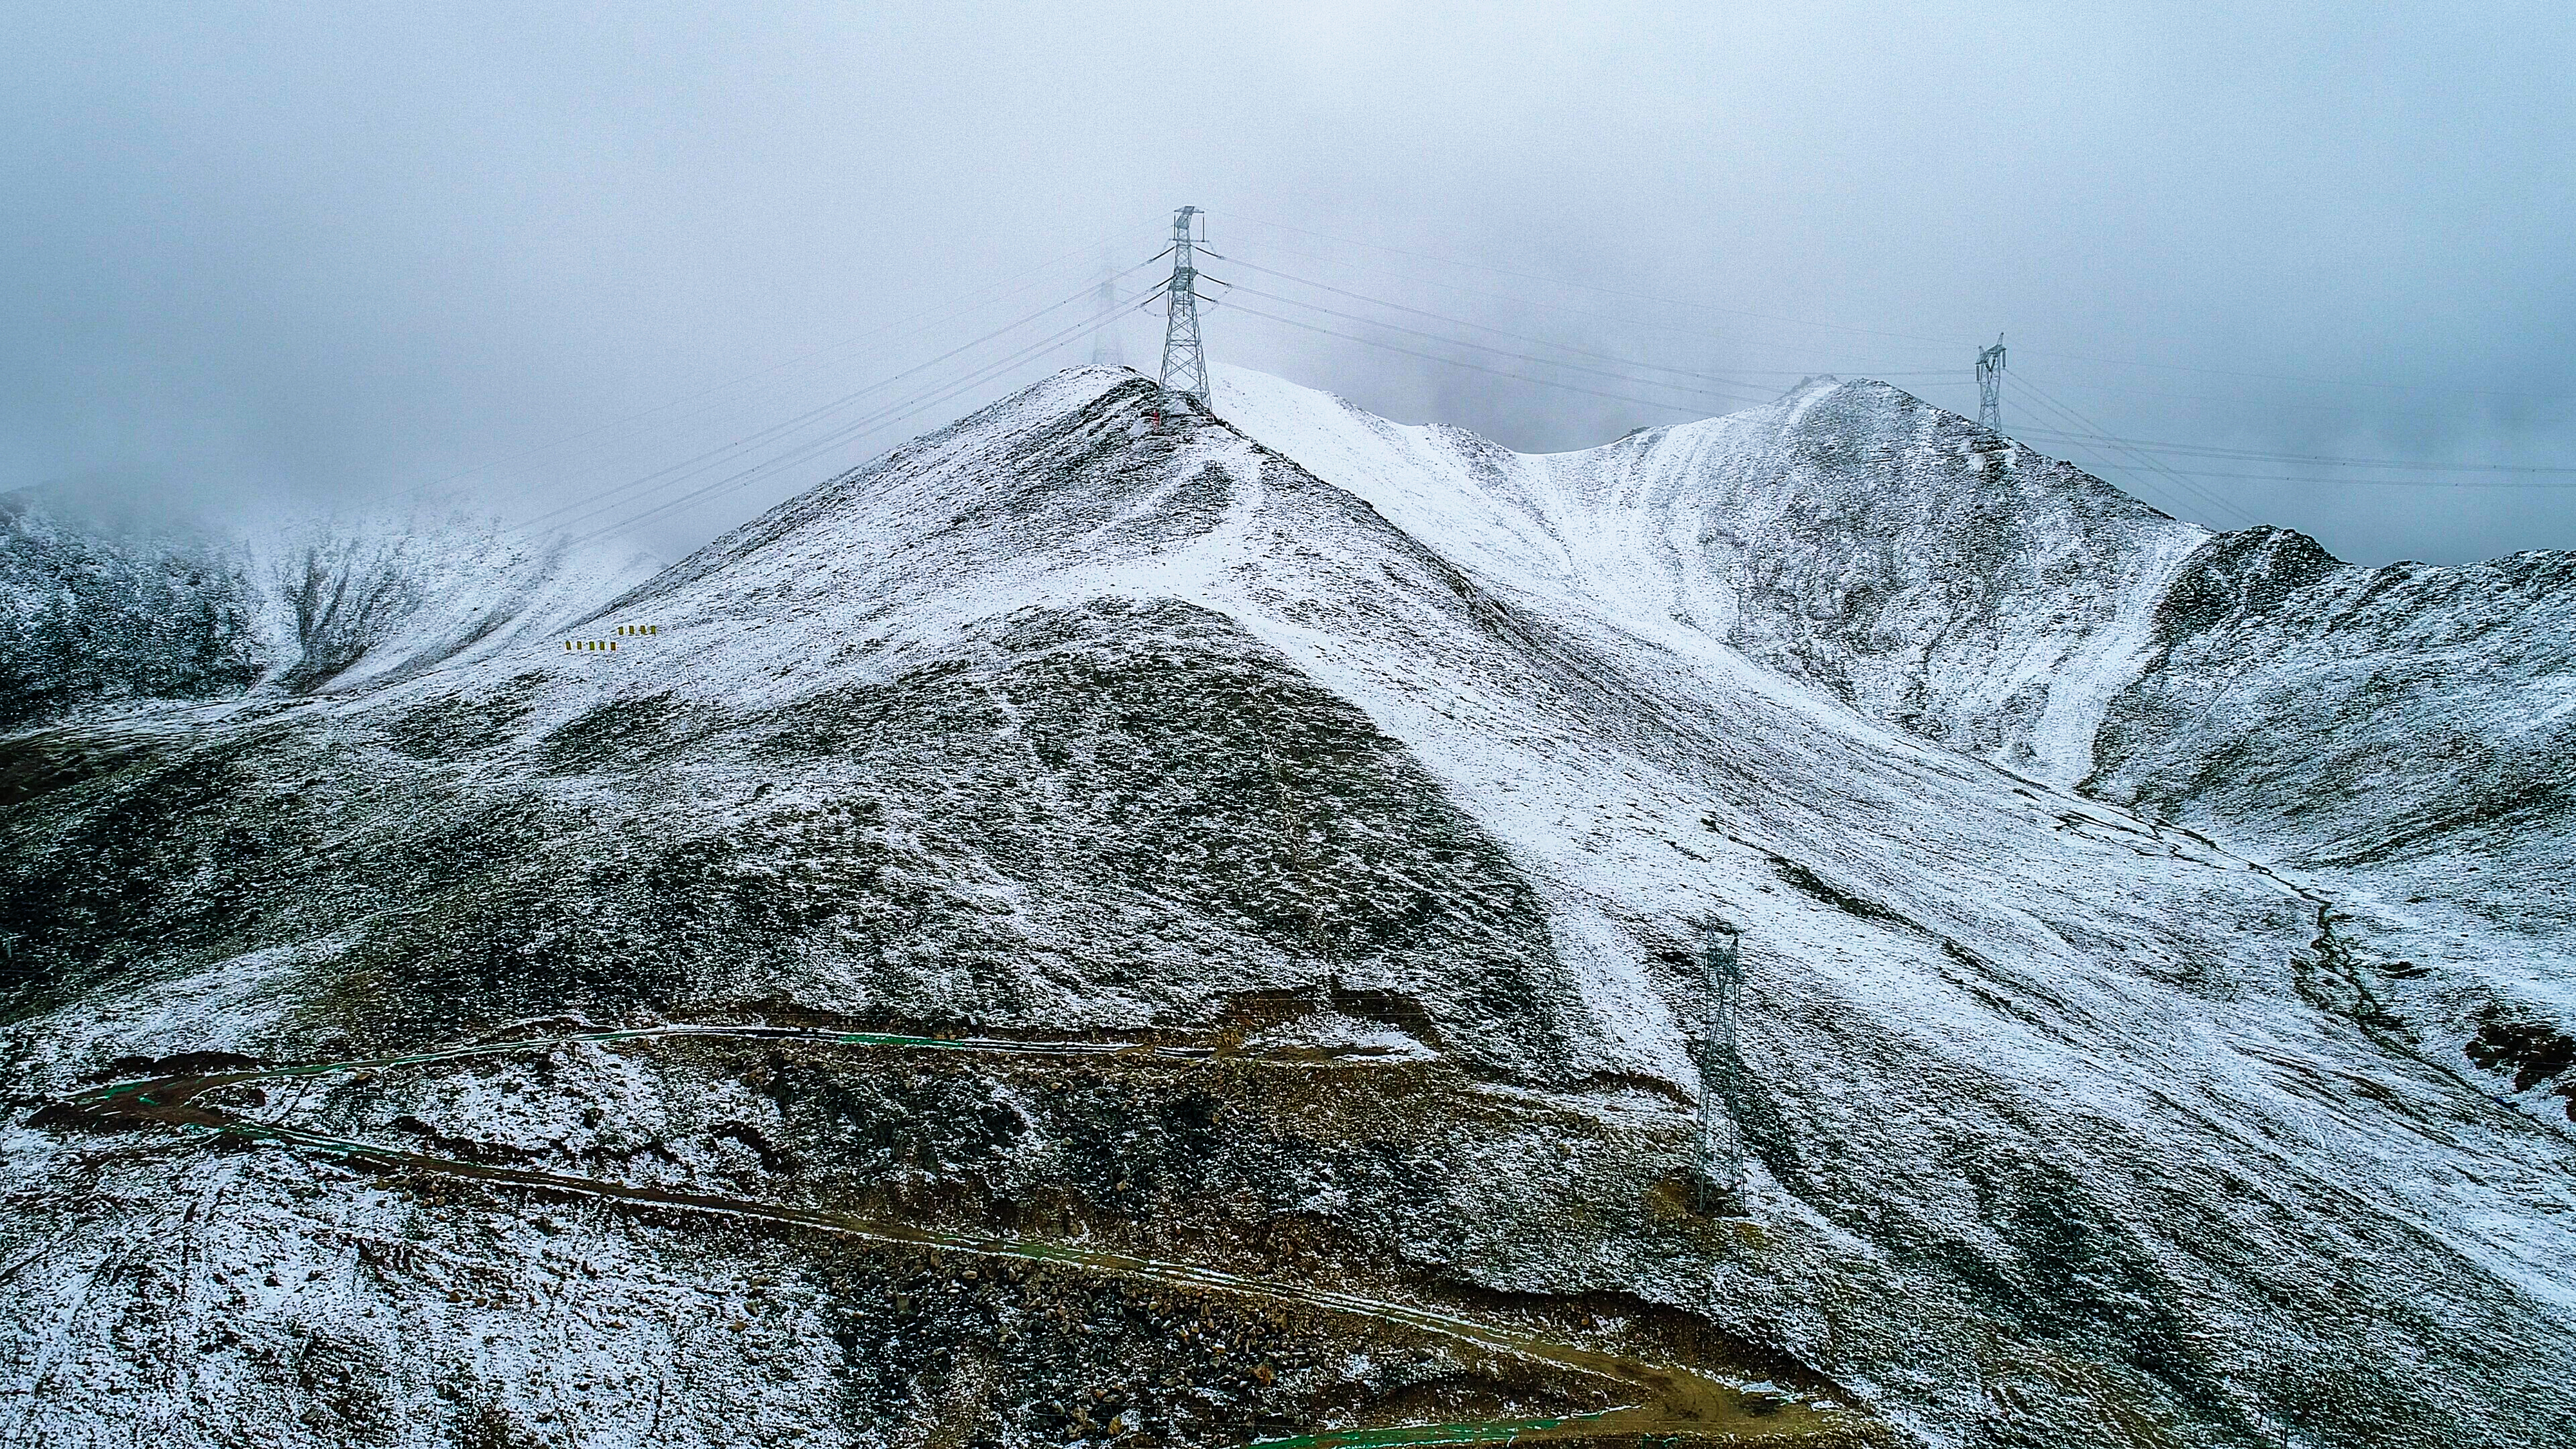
2251, 455
1898, 336
1455, 362
2171, 485
1524, 299
2179, 486
1024, 279
2284, 377
2434, 483
1592, 287
1695, 374
937, 393
1736, 393
777, 430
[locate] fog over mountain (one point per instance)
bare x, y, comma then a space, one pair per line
272, 256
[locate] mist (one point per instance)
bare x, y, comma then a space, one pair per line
300, 259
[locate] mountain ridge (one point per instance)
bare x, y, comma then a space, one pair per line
1104, 715
2164, 620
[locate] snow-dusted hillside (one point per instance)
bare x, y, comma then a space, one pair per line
2403, 735
1390, 784
1915, 566
2406, 738
97, 623
87, 621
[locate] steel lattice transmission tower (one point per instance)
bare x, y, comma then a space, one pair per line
1721, 1145
1184, 359
1990, 385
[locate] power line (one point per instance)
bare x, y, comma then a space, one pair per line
2250, 455
2254, 455
764, 434
2173, 487
2308, 381
1605, 291
2175, 494
1524, 299
1736, 394
1692, 373
2343, 408
2177, 480
1005, 287
1895, 336
777, 430
1455, 362
2182, 487
1185, 366
937, 393
2350, 482
1104, 341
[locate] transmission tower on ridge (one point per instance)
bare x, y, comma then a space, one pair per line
1184, 359
1990, 385
1721, 1145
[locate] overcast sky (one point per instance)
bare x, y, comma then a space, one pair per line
337, 255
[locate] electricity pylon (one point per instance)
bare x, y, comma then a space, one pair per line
1721, 1146
1184, 359
1990, 385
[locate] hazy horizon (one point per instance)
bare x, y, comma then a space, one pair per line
271, 257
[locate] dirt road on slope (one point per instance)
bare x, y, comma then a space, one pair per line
1668, 1401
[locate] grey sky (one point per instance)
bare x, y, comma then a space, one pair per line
328, 254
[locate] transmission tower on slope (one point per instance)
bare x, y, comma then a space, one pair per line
1721, 1146
1990, 385
1184, 359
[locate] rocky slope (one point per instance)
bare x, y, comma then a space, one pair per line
92, 623
96, 622
2401, 735
1383, 791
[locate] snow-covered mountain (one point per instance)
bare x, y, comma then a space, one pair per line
101, 622
2403, 735
2096, 1075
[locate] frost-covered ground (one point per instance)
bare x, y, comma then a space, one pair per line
2098, 1078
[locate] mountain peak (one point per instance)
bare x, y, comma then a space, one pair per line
1257, 875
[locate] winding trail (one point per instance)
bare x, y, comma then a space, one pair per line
1671, 1400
